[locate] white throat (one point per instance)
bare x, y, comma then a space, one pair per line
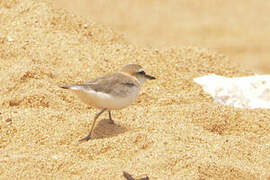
141, 80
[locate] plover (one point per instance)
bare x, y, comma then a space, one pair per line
111, 92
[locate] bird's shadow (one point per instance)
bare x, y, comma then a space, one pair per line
105, 129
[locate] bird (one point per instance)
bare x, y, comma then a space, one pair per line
112, 91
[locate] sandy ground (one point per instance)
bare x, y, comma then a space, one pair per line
238, 29
173, 131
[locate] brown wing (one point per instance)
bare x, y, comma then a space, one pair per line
117, 84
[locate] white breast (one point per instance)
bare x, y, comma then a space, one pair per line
103, 100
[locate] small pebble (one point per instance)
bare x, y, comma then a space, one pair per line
10, 39
8, 120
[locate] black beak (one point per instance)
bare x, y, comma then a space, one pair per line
149, 77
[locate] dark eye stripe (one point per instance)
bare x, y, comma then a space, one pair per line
141, 72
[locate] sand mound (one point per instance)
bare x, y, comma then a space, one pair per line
173, 131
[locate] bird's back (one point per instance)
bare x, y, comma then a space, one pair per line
113, 91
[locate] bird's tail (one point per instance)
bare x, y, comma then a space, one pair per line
71, 87
66, 86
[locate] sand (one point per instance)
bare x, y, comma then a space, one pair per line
173, 131
238, 29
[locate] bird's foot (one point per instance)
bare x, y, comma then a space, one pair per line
111, 121
85, 138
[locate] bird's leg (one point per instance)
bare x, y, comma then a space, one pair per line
93, 125
110, 118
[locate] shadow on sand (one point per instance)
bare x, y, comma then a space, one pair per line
105, 129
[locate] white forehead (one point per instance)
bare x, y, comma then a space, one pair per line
141, 70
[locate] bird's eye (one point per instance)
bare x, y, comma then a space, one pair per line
141, 72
